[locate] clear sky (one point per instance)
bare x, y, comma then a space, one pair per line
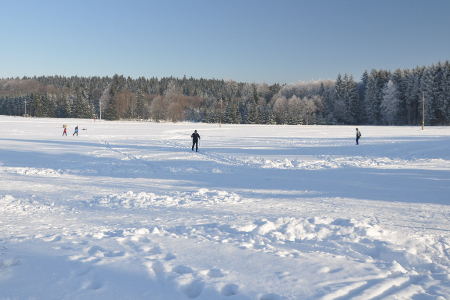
248, 41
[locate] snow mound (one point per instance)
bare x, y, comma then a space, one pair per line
129, 200
18, 206
329, 162
33, 171
355, 240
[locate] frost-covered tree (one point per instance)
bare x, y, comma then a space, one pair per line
263, 91
157, 109
294, 111
248, 92
309, 107
390, 103
280, 109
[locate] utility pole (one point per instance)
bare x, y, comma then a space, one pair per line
100, 111
25, 101
220, 125
423, 110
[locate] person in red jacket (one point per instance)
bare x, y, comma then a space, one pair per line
195, 137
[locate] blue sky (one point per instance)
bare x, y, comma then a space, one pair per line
248, 41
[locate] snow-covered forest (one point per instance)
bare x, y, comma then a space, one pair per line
380, 97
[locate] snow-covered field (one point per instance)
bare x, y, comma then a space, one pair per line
127, 211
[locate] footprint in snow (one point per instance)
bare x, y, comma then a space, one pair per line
192, 289
229, 290
114, 233
53, 238
158, 267
114, 253
170, 256
215, 273
94, 250
155, 250
101, 252
82, 271
182, 270
283, 275
92, 285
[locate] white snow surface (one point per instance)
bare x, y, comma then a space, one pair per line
127, 211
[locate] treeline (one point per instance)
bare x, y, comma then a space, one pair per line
380, 97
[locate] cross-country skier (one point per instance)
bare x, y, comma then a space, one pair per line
358, 135
195, 137
65, 131
76, 131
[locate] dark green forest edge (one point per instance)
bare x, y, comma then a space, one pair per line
380, 98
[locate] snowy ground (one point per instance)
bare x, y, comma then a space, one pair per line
127, 211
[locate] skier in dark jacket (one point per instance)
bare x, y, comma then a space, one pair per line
195, 137
358, 135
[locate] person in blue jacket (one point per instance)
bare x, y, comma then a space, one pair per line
76, 131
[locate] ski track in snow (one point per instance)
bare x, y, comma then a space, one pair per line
173, 239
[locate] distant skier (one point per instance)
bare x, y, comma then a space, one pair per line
358, 135
195, 137
76, 131
65, 131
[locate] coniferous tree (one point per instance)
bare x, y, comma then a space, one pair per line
339, 105
399, 80
112, 112
363, 87
351, 101
227, 115
63, 109
443, 102
271, 119
373, 98
81, 107
140, 105
252, 113
413, 95
339, 87
438, 90
49, 106
36, 104
430, 92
